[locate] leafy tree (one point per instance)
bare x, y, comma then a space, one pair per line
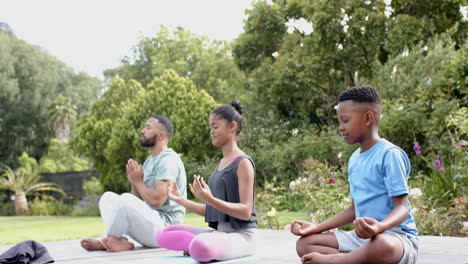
29, 79
61, 114
299, 75
60, 158
24, 181
110, 134
208, 63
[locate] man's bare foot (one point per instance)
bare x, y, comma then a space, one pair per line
114, 244
91, 244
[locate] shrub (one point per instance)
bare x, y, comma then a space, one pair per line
432, 219
48, 206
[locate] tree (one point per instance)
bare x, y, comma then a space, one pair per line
208, 63
61, 113
110, 134
298, 75
24, 181
60, 158
29, 79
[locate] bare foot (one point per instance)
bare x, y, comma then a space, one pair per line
91, 244
186, 253
114, 244
316, 257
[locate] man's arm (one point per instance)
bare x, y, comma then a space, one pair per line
154, 196
135, 191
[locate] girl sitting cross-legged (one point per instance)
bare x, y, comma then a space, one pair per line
229, 202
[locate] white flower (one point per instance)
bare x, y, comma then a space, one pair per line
400, 108
295, 131
292, 184
339, 155
275, 54
415, 192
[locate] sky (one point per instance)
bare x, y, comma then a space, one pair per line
94, 35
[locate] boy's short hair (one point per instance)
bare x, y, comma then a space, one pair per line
361, 94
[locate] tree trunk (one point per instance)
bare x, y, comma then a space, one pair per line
62, 132
21, 204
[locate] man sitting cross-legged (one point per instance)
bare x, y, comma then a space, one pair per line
147, 209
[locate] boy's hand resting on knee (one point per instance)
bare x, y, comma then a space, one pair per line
303, 228
366, 227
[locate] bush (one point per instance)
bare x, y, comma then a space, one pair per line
433, 219
48, 206
321, 190
89, 204
60, 158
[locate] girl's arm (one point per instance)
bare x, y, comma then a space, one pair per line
241, 210
174, 194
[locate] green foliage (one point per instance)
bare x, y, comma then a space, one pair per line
321, 191
436, 220
48, 206
281, 162
89, 204
62, 113
29, 79
299, 75
109, 136
60, 158
92, 186
207, 63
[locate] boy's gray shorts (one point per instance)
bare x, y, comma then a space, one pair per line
348, 241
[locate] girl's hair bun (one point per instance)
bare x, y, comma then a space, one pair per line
237, 105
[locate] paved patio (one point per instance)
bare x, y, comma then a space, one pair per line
275, 247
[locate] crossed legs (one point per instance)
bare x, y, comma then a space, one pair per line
324, 248
125, 214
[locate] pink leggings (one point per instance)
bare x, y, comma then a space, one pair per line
205, 244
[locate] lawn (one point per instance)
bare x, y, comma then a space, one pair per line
14, 229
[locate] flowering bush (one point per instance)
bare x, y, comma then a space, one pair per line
437, 220
321, 190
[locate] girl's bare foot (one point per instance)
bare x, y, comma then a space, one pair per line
114, 244
91, 244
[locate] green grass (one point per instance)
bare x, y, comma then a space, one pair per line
14, 229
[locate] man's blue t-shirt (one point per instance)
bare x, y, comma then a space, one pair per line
376, 176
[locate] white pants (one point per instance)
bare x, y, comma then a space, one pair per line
126, 214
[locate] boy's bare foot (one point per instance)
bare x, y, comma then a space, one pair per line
316, 257
114, 244
91, 244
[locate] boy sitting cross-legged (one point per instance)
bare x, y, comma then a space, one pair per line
384, 228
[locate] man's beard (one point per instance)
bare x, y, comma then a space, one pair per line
148, 142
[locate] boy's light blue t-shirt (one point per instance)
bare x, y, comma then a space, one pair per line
376, 176
167, 165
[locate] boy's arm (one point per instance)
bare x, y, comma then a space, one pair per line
302, 228
368, 227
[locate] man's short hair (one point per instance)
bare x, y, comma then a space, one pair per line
167, 124
361, 94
